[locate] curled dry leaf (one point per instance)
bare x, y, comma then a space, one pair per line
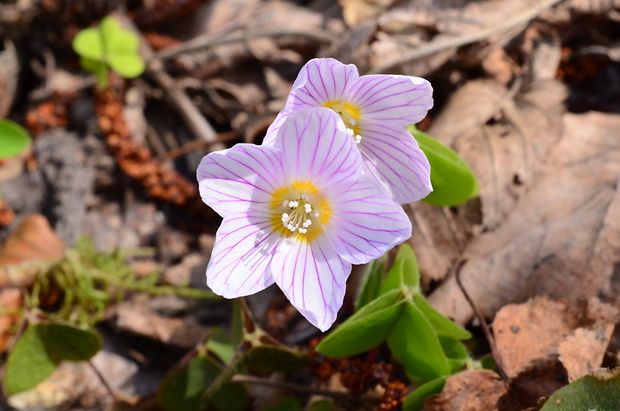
20, 258
534, 338
469, 390
561, 237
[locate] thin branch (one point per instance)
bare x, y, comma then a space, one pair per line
208, 41
435, 47
485, 328
102, 379
176, 95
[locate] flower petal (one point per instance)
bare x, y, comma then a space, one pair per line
316, 147
401, 100
319, 81
313, 278
272, 131
244, 247
234, 180
367, 223
393, 158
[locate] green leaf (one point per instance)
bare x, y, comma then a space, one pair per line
109, 30
600, 392
13, 139
285, 404
365, 329
415, 344
453, 180
415, 400
88, 43
443, 326
127, 65
219, 343
181, 389
455, 352
231, 397
404, 273
41, 348
370, 283
123, 42
269, 358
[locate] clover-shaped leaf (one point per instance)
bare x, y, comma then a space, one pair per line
109, 46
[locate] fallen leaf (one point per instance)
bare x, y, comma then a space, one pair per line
561, 237
542, 342
357, 11
582, 353
33, 239
469, 390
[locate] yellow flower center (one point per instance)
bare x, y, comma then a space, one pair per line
299, 211
350, 114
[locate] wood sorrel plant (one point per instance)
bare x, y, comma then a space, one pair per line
323, 190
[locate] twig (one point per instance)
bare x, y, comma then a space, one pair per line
196, 122
485, 328
208, 41
249, 379
438, 46
195, 145
103, 381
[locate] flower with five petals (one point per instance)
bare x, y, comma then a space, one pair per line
375, 110
298, 213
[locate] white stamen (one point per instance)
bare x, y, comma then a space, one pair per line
352, 121
358, 139
350, 132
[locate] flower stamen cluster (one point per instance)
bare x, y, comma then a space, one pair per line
300, 215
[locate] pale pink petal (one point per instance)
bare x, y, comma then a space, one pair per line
395, 100
244, 247
272, 131
319, 81
392, 156
239, 178
313, 278
366, 223
316, 147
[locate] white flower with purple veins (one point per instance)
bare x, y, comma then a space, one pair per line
375, 110
297, 213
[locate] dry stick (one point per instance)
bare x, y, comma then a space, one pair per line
208, 41
485, 328
248, 379
102, 379
196, 122
438, 46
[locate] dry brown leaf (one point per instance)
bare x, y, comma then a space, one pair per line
138, 318
530, 338
583, 352
561, 238
357, 11
530, 333
469, 390
33, 239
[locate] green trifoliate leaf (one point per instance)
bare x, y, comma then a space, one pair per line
127, 65
600, 392
219, 343
415, 344
13, 139
365, 329
453, 180
415, 400
41, 348
443, 326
